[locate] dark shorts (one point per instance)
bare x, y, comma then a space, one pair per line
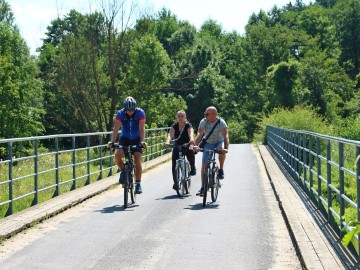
126, 142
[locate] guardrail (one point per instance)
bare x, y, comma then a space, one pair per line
36, 169
327, 169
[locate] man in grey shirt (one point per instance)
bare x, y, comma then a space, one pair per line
219, 139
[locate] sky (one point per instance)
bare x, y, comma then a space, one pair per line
32, 17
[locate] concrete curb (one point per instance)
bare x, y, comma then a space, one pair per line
17, 222
314, 249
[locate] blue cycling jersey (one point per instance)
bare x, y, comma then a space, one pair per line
130, 124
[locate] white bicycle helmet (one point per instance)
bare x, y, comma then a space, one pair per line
129, 103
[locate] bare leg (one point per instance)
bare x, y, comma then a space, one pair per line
221, 161
118, 155
138, 170
202, 174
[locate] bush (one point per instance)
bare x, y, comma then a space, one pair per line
237, 131
351, 129
298, 118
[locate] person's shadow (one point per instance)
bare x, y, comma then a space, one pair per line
199, 206
172, 197
117, 208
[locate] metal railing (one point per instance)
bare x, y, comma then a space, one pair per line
327, 169
36, 169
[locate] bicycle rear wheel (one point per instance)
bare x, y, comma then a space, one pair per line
215, 186
206, 184
179, 184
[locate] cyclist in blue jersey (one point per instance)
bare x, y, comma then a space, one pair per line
131, 120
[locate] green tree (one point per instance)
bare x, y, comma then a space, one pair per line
281, 80
85, 61
72, 61
347, 22
20, 89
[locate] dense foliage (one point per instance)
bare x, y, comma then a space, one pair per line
292, 58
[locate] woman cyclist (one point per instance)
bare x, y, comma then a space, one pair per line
182, 132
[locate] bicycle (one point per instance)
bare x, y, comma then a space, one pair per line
182, 175
128, 171
211, 180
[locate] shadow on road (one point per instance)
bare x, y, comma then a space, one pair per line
116, 208
172, 197
199, 206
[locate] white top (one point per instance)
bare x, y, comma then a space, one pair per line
216, 136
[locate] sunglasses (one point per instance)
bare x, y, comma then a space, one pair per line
207, 114
130, 110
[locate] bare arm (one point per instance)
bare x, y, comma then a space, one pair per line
170, 136
225, 134
117, 126
200, 134
191, 135
142, 130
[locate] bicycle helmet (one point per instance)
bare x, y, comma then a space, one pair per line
129, 103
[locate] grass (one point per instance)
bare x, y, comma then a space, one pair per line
52, 182
47, 179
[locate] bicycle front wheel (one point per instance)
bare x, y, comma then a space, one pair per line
131, 187
179, 183
215, 186
126, 185
206, 184
187, 182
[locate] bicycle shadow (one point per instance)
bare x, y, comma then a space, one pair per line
172, 197
199, 206
117, 208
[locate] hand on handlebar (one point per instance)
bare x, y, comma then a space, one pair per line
110, 144
224, 151
167, 144
143, 144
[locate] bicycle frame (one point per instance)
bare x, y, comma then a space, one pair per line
211, 181
183, 165
128, 170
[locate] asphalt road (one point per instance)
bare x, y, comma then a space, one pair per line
244, 229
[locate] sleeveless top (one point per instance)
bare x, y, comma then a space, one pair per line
184, 135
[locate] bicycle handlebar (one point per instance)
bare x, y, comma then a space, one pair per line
212, 150
179, 146
130, 147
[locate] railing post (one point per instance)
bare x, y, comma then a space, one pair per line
292, 164
286, 147
304, 162
74, 163
88, 159
318, 152
298, 156
328, 176
11, 193
36, 171
341, 183
358, 189
101, 157
152, 145
57, 178
311, 164
111, 158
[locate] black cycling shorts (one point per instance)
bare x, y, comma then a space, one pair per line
126, 142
